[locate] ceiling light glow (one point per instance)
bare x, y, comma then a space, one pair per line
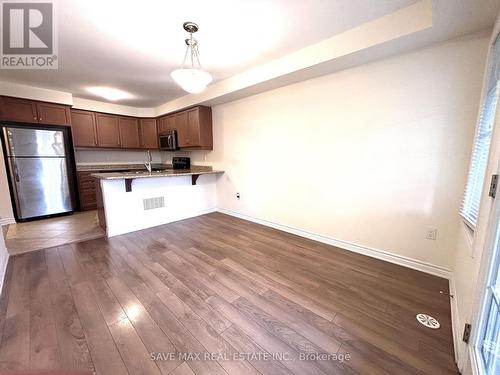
109, 93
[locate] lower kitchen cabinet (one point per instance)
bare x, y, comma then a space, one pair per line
87, 191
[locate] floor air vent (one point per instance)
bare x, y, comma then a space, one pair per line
428, 321
152, 203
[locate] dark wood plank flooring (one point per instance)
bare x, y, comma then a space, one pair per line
217, 284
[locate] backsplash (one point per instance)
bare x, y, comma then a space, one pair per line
131, 156
114, 157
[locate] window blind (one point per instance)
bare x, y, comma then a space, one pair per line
482, 140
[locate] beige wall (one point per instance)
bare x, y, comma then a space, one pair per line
371, 156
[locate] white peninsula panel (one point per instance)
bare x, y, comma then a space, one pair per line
125, 211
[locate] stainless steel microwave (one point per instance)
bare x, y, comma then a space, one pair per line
168, 141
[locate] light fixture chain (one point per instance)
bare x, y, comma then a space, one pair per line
193, 79
197, 55
192, 50
185, 57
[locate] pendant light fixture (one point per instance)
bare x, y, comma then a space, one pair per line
191, 78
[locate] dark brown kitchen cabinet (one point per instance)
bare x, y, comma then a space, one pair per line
193, 136
166, 123
29, 111
83, 128
87, 191
18, 110
181, 127
53, 114
149, 133
194, 127
108, 131
162, 124
197, 132
129, 132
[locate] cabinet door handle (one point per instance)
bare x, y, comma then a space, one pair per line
34, 118
40, 119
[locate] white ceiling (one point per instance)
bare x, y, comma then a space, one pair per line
133, 45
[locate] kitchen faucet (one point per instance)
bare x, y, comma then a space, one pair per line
148, 164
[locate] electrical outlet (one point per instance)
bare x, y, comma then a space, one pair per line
431, 233
237, 195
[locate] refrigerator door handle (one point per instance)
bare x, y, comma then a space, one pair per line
14, 175
15, 172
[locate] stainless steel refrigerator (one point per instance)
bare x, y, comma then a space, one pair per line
40, 169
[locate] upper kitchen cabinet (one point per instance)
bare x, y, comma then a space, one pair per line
181, 124
129, 132
53, 114
149, 133
197, 133
23, 110
166, 123
108, 131
18, 110
194, 127
83, 128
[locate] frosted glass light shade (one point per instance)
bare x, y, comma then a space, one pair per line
191, 80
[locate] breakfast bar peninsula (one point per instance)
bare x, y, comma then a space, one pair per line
135, 200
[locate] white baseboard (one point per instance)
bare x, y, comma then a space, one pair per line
365, 250
7, 220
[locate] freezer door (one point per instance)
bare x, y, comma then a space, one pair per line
34, 142
41, 186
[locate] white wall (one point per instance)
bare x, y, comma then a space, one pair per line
98, 106
35, 93
372, 155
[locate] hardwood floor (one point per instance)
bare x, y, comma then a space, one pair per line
217, 284
41, 234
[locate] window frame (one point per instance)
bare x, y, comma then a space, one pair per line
491, 83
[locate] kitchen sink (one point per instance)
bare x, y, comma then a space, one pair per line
144, 171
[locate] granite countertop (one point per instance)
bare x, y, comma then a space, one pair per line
116, 167
195, 170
